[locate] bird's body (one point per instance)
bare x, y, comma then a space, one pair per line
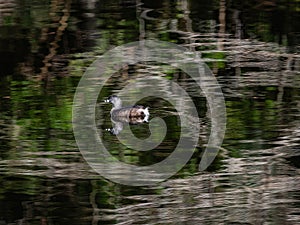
129, 114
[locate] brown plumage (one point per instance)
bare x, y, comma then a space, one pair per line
127, 114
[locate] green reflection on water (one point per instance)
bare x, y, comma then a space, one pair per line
39, 117
35, 119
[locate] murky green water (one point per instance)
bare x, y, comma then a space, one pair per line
252, 49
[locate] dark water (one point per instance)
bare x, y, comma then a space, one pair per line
252, 47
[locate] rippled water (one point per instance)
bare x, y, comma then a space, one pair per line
45, 180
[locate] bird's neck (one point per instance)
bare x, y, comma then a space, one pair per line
117, 104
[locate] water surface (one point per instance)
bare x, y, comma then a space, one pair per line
252, 49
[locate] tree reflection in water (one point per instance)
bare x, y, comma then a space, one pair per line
253, 50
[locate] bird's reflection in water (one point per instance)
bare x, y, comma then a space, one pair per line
119, 122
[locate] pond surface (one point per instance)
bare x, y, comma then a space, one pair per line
252, 47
